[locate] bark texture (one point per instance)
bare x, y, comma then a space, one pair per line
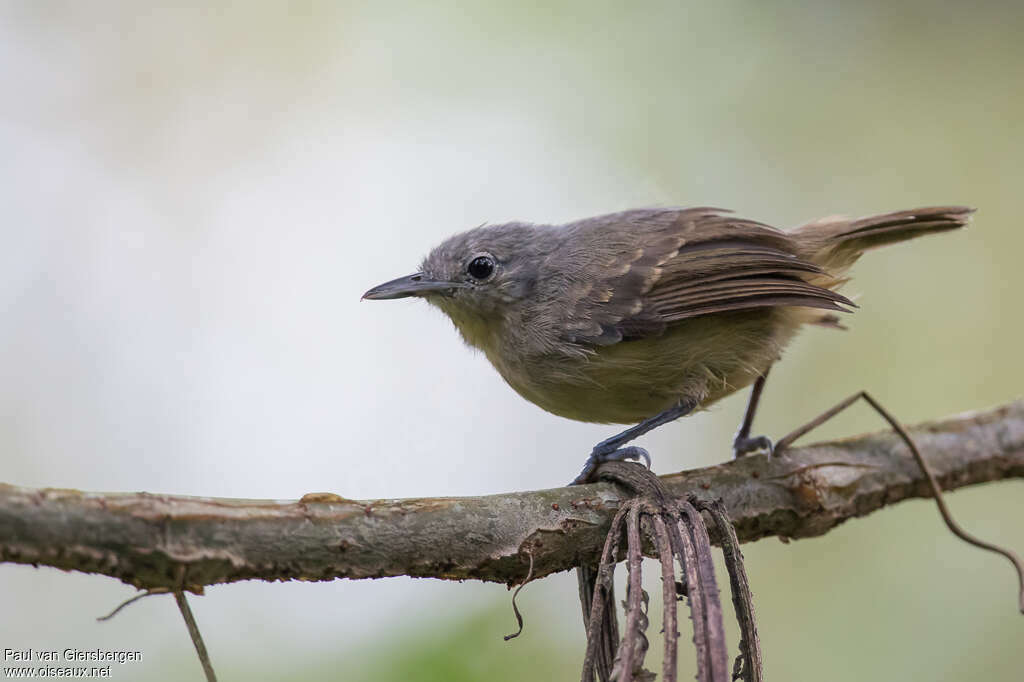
162, 541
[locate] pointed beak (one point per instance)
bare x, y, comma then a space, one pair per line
411, 285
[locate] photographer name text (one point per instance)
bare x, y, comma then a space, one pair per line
72, 655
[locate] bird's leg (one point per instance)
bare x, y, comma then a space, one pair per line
615, 448
744, 444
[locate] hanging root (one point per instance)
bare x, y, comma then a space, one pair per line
634, 644
596, 595
515, 607
748, 665
678, 534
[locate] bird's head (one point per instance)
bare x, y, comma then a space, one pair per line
478, 278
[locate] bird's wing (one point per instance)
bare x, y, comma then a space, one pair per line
662, 267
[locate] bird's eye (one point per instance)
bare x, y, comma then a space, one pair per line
480, 267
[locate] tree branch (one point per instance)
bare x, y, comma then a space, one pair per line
151, 541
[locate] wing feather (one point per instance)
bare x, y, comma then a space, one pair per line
662, 266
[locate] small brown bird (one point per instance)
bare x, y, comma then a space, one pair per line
646, 315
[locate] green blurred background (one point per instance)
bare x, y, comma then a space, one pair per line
195, 198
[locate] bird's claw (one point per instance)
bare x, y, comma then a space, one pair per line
600, 456
749, 444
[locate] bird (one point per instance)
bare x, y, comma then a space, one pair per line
643, 316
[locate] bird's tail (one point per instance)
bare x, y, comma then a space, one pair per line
835, 243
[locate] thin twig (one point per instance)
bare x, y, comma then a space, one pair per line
929, 476
132, 600
197, 639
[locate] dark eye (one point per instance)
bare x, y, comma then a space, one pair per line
480, 267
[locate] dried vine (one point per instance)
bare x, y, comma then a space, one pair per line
677, 532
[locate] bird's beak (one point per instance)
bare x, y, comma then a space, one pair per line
411, 285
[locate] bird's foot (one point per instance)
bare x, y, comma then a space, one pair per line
746, 445
600, 455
